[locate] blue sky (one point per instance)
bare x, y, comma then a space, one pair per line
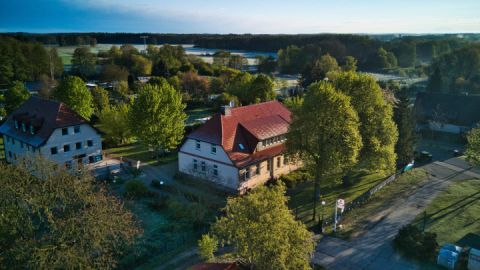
245, 16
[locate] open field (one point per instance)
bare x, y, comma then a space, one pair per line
198, 113
301, 197
136, 151
454, 213
360, 219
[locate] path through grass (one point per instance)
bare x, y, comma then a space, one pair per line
454, 213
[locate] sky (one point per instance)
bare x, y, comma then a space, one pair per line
245, 16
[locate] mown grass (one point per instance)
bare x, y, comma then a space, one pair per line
2, 149
454, 213
136, 151
362, 218
301, 197
198, 113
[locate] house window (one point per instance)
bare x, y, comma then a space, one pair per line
285, 160
8, 139
242, 147
78, 145
197, 145
248, 173
32, 129
214, 149
24, 127
14, 156
195, 164
257, 170
16, 124
66, 148
76, 129
279, 162
90, 159
204, 167
53, 150
10, 154
90, 143
64, 131
269, 165
215, 170
264, 143
13, 141
28, 147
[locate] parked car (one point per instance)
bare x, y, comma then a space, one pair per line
423, 156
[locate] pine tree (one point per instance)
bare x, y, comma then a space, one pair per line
403, 117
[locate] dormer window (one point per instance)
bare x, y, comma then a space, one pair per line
76, 129
64, 131
197, 145
242, 147
214, 149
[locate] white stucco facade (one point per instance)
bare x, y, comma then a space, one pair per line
214, 166
79, 146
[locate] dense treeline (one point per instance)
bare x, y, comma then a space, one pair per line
456, 72
26, 61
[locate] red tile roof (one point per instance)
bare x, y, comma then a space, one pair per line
45, 115
246, 125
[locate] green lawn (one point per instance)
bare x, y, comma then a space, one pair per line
136, 151
198, 113
454, 213
360, 219
301, 196
2, 149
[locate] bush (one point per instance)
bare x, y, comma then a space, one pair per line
159, 203
206, 247
136, 189
414, 243
292, 179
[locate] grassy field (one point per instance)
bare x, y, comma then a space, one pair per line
360, 219
2, 149
301, 196
198, 113
136, 151
172, 218
454, 213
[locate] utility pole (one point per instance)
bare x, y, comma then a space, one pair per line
144, 42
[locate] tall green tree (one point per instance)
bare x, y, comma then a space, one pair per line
350, 64
378, 130
403, 117
15, 96
319, 70
325, 133
264, 232
59, 221
473, 146
261, 89
114, 122
157, 117
239, 86
435, 81
83, 62
100, 99
73, 92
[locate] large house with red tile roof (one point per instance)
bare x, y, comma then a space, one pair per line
239, 148
52, 130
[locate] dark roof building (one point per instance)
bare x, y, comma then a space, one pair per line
41, 117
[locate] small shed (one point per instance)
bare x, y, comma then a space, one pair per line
448, 256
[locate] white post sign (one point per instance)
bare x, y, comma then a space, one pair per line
340, 203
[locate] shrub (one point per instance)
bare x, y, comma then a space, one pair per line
159, 203
412, 242
136, 189
207, 246
292, 179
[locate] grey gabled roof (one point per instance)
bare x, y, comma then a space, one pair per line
44, 115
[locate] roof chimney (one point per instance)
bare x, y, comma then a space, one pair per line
225, 110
